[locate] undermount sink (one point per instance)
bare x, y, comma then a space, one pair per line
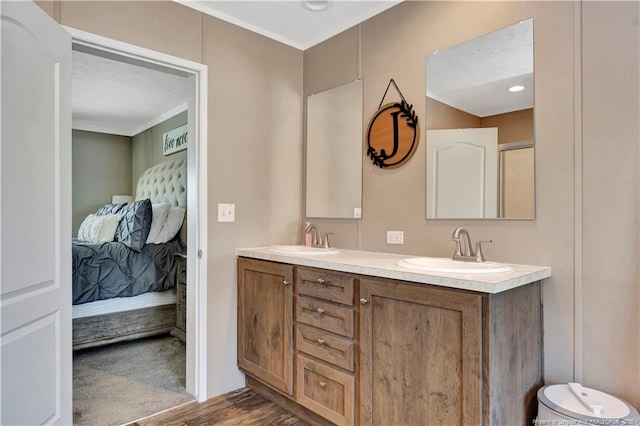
303, 250
440, 264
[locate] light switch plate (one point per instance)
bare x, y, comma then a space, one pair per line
357, 213
226, 212
395, 237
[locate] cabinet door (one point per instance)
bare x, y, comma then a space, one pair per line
265, 322
420, 355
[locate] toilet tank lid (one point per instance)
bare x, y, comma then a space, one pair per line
561, 399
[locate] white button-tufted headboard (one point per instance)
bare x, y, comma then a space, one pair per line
165, 183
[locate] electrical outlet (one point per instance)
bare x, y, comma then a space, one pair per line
226, 212
395, 237
357, 213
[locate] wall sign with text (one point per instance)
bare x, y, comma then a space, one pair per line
393, 135
175, 140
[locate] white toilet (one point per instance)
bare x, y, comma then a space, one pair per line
574, 404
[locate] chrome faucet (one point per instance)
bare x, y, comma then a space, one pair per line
318, 239
467, 254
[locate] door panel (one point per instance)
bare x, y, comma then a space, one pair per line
265, 322
35, 232
420, 355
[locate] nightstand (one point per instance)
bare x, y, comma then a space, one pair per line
180, 331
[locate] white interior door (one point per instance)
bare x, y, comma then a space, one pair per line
462, 173
35, 225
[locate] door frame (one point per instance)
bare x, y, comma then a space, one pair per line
196, 358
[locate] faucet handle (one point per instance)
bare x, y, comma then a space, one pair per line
458, 249
479, 254
325, 240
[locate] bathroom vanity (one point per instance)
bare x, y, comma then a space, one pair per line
351, 337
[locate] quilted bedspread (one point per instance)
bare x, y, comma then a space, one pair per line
108, 270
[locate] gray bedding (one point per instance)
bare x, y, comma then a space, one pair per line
108, 270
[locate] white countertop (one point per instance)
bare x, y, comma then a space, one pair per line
386, 265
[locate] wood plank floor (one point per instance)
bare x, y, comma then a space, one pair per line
240, 407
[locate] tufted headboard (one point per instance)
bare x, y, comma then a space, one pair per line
165, 183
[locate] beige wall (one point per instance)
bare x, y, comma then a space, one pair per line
587, 169
254, 141
147, 147
516, 126
255, 156
443, 116
591, 324
610, 293
101, 167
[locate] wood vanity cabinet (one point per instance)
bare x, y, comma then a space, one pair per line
377, 351
265, 322
439, 356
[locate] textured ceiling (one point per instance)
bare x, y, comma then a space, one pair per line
110, 96
474, 76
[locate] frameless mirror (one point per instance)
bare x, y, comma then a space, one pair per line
480, 134
334, 152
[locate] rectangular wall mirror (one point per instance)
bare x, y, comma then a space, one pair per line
334, 153
480, 129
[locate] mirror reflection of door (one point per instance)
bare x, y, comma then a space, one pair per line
462, 173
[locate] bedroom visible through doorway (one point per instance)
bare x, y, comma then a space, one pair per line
100, 144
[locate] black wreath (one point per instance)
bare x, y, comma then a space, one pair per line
406, 111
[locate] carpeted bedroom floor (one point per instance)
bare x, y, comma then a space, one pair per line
123, 382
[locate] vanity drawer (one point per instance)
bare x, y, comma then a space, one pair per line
325, 390
325, 285
327, 347
327, 316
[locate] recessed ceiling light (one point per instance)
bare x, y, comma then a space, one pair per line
315, 5
516, 88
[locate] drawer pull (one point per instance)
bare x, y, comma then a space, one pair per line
321, 342
320, 311
363, 301
323, 385
286, 283
322, 282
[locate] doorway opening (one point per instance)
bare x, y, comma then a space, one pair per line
195, 107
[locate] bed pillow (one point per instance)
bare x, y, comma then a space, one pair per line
134, 227
171, 226
110, 209
99, 229
159, 211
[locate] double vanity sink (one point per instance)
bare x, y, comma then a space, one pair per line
428, 264
486, 277
350, 337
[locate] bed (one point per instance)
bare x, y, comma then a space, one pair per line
125, 289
